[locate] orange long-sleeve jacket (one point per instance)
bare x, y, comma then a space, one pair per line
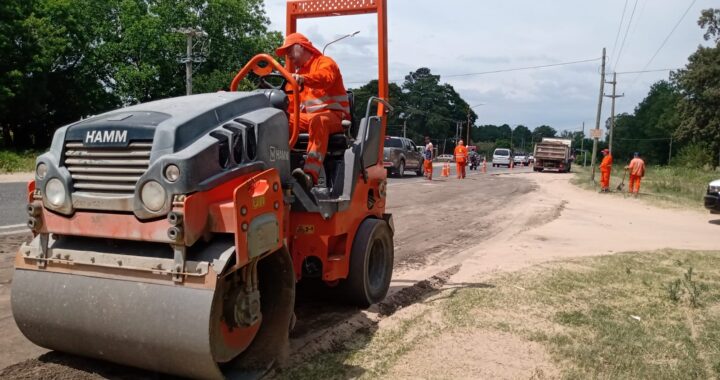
323, 87
461, 154
606, 163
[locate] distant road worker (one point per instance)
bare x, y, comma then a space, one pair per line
605, 169
428, 156
461, 156
636, 167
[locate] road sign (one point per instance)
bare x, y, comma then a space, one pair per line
596, 133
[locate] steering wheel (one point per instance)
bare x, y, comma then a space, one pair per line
273, 75
282, 86
266, 67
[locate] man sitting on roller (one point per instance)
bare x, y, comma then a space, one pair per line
323, 100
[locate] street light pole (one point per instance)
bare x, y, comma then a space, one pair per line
341, 38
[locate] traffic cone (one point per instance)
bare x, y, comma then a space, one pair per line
512, 164
445, 170
484, 166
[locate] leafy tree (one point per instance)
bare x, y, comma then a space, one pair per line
543, 131
649, 129
699, 87
439, 105
522, 138
63, 60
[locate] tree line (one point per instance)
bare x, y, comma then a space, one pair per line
65, 60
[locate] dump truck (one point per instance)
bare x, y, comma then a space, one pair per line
170, 235
553, 154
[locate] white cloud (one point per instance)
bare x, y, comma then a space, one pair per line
466, 36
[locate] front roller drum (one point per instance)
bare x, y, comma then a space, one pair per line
165, 328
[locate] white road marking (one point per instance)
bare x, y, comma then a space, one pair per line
13, 226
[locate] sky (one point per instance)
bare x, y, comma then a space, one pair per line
468, 36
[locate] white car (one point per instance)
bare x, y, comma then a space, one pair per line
445, 158
501, 157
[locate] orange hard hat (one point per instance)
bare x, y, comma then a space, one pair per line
296, 38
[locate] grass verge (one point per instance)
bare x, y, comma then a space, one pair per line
13, 161
626, 316
666, 185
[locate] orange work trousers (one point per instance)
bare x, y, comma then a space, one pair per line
428, 168
605, 179
461, 169
634, 184
319, 126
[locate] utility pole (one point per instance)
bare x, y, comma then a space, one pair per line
612, 110
582, 146
404, 128
189, 58
597, 119
467, 141
670, 151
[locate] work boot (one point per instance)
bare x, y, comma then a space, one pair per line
303, 179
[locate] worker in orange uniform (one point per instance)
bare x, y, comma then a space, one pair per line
605, 169
323, 100
428, 156
636, 167
461, 156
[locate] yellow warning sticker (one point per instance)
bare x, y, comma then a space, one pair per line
305, 229
258, 202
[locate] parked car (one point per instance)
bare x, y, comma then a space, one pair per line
531, 159
445, 158
521, 159
502, 157
712, 197
401, 154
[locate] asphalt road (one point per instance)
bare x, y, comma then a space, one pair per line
13, 199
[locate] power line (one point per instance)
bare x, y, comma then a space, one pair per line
646, 71
501, 70
632, 85
522, 68
622, 18
670, 34
622, 45
648, 139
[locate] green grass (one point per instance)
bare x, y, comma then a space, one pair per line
667, 184
610, 317
12, 161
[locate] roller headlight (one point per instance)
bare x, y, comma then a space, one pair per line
172, 173
153, 196
41, 171
55, 192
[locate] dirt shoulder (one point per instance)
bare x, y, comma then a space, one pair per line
17, 177
557, 221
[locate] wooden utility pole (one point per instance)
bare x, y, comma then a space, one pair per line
597, 119
582, 146
612, 111
189, 58
467, 141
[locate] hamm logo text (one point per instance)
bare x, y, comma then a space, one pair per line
104, 137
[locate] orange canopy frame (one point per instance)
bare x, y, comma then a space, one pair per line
298, 9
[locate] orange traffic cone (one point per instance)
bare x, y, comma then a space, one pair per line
512, 164
445, 170
484, 166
